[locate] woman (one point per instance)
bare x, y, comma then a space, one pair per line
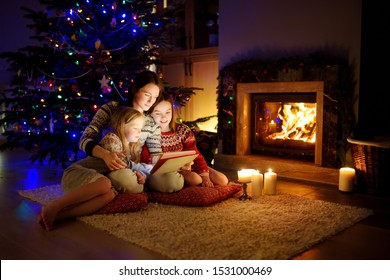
145, 91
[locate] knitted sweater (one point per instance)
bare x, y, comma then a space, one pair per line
182, 140
93, 133
113, 143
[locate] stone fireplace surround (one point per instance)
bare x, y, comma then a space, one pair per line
290, 169
243, 125
330, 78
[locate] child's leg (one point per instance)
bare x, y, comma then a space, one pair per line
125, 180
191, 178
168, 182
84, 200
217, 177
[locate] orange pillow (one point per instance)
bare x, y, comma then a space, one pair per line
125, 202
196, 195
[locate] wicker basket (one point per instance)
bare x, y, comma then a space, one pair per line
371, 162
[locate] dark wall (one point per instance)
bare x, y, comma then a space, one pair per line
14, 32
374, 108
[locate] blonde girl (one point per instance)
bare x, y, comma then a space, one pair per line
87, 189
127, 124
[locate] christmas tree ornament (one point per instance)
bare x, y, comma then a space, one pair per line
113, 22
98, 44
74, 37
38, 122
51, 125
17, 127
104, 81
106, 89
75, 87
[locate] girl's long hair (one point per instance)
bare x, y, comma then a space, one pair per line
122, 116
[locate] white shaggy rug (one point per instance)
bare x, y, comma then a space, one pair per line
271, 227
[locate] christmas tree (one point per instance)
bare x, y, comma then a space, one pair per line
87, 54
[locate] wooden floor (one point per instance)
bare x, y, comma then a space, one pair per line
22, 238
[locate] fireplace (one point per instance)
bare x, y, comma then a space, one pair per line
284, 124
281, 119
330, 79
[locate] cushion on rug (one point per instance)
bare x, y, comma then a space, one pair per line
196, 195
125, 202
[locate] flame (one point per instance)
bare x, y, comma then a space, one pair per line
298, 122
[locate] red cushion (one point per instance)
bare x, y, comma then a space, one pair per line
196, 195
125, 202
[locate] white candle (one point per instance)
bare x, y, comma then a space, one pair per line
245, 175
270, 182
346, 179
257, 184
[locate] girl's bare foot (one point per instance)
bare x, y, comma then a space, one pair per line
46, 218
40, 221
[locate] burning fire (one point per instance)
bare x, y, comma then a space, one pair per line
297, 121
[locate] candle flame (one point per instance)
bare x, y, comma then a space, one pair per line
246, 172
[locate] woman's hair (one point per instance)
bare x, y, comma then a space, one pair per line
122, 116
141, 80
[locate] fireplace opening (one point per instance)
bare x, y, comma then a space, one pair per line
289, 91
284, 124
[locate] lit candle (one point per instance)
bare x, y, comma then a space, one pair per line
257, 184
245, 175
270, 182
346, 179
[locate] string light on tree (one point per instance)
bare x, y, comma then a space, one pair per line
86, 53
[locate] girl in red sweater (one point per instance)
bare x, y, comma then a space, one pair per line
179, 137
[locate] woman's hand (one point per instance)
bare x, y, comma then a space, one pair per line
113, 160
141, 178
